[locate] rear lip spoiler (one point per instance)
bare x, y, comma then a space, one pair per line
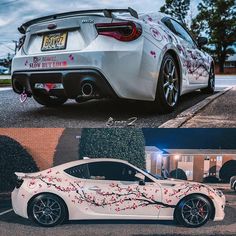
107, 13
19, 174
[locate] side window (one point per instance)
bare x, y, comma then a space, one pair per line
107, 170
181, 32
113, 171
80, 171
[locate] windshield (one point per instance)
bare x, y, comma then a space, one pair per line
155, 176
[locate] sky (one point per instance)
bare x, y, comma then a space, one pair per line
191, 138
15, 12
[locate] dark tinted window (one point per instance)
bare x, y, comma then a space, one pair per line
112, 171
80, 171
105, 171
181, 32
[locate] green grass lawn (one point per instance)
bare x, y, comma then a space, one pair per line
5, 80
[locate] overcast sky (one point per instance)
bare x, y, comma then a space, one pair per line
14, 12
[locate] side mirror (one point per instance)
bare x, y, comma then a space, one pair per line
141, 178
201, 41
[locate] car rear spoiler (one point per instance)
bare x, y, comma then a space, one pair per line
107, 13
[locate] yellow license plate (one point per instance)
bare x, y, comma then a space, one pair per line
55, 41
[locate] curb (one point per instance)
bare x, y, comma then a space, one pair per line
190, 112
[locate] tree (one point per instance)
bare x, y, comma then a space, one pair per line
176, 8
13, 158
211, 179
228, 170
126, 144
178, 174
217, 19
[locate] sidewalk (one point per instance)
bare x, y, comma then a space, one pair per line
220, 113
216, 111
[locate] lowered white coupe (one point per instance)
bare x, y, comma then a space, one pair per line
111, 53
112, 189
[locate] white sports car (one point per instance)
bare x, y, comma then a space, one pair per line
113, 53
112, 189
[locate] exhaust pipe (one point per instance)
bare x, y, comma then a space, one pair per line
18, 87
87, 89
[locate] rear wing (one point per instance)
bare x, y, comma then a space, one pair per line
107, 13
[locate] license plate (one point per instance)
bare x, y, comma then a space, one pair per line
55, 41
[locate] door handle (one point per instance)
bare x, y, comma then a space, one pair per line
94, 188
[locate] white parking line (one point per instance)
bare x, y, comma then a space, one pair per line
5, 212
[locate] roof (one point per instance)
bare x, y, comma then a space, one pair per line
231, 58
202, 151
152, 149
88, 160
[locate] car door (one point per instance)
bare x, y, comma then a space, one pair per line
114, 191
193, 61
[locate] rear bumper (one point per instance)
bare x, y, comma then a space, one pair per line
19, 203
72, 81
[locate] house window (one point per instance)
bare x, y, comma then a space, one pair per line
186, 159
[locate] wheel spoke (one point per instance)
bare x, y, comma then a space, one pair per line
42, 202
166, 84
165, 75
197, 219
37, 212
48, 202
167, 93
53, 203
173, 71
170, 96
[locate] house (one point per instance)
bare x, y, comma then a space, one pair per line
229, 66
196, 163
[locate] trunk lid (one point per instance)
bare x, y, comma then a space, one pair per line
79, 32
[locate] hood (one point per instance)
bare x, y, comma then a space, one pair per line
172, 182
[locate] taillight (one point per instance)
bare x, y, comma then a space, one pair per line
21, 42
123, 31
19, 182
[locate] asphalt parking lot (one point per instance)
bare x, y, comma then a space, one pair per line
11, 223
89, 114
94, 113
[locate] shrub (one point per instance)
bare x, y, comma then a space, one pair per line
13, 158
228, 170
126, 144
210, 179
178, 174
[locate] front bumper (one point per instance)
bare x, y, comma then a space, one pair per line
219, 203
72, 81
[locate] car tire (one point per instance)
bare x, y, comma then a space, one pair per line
193, 211
47, 210
168, 86
210, 89
49, 101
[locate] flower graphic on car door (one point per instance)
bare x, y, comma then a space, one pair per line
113, 188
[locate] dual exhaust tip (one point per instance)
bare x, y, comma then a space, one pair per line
87, 89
